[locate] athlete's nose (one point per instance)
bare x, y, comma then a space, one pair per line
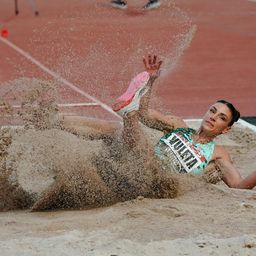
213, 117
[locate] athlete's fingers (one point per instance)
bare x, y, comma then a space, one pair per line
154, 59
149, 59
159, 64
145, 62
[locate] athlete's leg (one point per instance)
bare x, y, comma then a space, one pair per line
91, 127
132, 134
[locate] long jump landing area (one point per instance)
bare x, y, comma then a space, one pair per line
93, 50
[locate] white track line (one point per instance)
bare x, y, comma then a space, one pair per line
243, 123
63, 105
13, 127
247, 125
57, 76
78, 104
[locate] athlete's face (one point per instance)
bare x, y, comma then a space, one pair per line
217, 119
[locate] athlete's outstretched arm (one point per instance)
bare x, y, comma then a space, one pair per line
152, 118
249, 182
230, 175
233, 179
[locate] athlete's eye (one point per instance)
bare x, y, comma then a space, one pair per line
212, 110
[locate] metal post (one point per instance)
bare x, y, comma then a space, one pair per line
34, 7
32, 4
16, 7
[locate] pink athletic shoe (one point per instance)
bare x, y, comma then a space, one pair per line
130, 100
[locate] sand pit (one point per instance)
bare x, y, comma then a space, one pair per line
115, 202
202, 219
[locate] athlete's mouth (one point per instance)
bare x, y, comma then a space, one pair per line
209, 123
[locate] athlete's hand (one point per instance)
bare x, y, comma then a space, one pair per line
152, 65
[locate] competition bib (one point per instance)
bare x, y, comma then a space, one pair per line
182, 155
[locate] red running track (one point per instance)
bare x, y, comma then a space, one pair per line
208, 48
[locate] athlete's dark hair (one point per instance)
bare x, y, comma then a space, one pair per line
235, 113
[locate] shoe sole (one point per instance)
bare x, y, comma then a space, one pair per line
131, 98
